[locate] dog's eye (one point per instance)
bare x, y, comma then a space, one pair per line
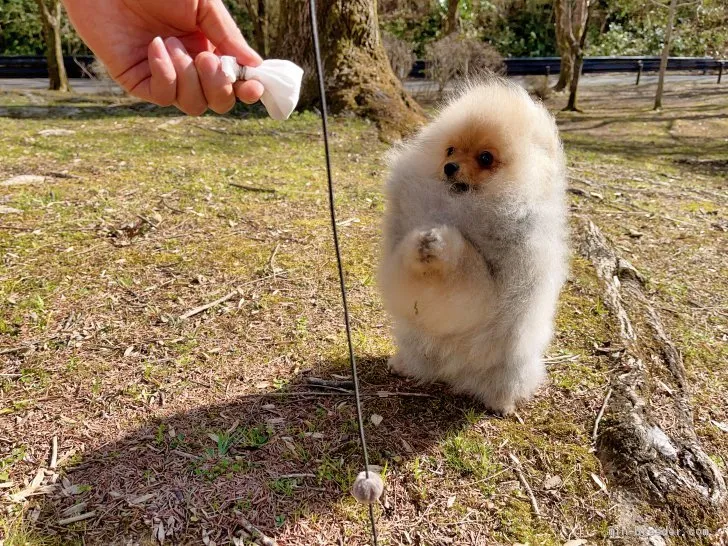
450, 151
485, 159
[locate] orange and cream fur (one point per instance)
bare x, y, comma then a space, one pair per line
475, 249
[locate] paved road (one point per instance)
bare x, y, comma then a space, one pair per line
83, 85
423, 86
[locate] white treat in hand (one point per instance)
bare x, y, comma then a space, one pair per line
281, 82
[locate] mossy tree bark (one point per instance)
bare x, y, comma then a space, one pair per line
358, 76
50, 14
647, 440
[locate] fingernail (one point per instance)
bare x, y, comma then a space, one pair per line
174, 43
257, 59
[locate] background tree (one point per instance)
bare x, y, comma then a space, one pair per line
451, 20
577, 41
665, 53
359, 77
262, 16
570, 23
51, 13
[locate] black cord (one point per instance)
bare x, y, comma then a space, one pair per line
332, 210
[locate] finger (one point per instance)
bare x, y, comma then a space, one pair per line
249, 92
190, 98
163, 83
215, 85
216, 23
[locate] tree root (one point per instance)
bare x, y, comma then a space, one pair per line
647, 441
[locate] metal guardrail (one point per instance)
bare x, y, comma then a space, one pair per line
36, 67
27, 66
538, 66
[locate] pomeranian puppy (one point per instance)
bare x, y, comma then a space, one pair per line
476, 244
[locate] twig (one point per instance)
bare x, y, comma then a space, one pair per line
170, 207
257, 535
271, 264
292, 476
525, 484
10, 350
54, 453
601, 414
74, 519
56, 174
201, 308
318, 382
251, 188
185, 454
560, 358
379, 394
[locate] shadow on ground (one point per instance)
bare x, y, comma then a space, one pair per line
95, 107
272, 458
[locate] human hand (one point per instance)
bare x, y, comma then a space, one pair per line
183, 68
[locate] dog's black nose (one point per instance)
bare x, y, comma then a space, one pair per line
451, 168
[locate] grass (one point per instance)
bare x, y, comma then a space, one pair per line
138, 223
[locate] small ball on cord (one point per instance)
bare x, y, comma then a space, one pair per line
368, 490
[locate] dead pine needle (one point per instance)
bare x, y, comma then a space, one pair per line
518, 469
201, 308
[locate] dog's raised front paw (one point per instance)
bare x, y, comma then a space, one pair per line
434, 249
430, 245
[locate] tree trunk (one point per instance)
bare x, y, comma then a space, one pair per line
260, 28
577, 39
50, 14
562, 22
451, 22
665, 54
566, 71
358, 76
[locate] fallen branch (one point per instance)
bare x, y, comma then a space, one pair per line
522, 478
201, 308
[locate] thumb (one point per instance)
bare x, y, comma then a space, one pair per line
216, 23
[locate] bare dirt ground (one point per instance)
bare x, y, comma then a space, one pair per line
175, 425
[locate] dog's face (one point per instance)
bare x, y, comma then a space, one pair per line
493, 139
472, 157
